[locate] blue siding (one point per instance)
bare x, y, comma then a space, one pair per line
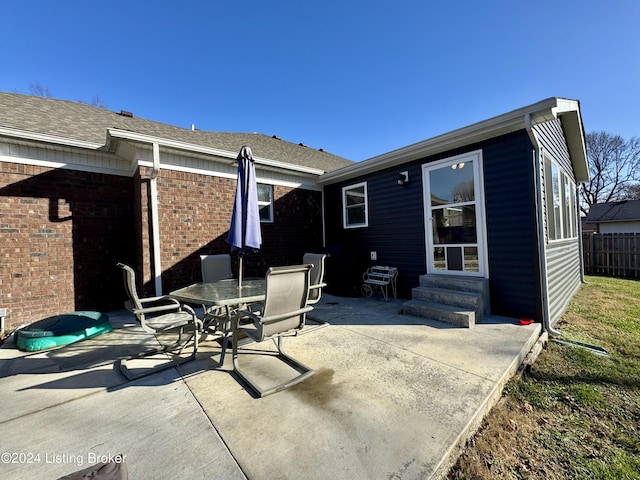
395, 232
511, 227
563, 257
396, 227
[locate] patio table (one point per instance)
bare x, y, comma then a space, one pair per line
223, 293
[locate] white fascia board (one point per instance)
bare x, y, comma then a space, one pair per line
309, 184
66, 166
46, 138
576, 142
150, 139
190, 147
542, 111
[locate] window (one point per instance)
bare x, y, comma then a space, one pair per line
560, 194
354, 206
265, 202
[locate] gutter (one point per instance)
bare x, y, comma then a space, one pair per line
209, 151
46, 138
155, 222
550, 109
542, 247
579, 227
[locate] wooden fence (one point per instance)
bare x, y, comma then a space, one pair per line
615, 254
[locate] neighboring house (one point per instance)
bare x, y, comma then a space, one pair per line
616, 217
588, 227
494, 201
82, 188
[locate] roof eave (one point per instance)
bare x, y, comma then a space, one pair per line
569, 113
46, 138
542, 111
114, 133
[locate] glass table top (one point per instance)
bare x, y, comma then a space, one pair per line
223, 292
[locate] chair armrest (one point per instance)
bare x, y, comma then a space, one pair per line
240, 314
275, 318
188, 309
169, 305
163, 298
319, 285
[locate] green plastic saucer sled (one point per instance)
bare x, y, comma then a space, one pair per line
61, 330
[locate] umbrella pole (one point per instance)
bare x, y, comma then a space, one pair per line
240, 271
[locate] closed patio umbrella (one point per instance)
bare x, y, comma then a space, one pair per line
244, 233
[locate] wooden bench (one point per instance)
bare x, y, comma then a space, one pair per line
378, 277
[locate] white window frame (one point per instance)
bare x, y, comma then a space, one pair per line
365, 204
564, 227
262, 204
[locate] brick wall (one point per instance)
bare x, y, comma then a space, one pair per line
195, 212
61, 233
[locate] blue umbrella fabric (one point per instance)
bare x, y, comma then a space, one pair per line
244, 234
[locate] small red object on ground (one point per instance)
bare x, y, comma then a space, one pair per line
526, 321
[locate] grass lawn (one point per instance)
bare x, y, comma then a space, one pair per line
577, 414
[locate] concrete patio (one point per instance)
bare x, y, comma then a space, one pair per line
393, 397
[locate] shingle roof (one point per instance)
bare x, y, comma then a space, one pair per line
77, 121
628, 210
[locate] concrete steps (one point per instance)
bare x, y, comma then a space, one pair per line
441, 312
460, 301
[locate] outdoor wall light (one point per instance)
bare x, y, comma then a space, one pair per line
403, 177
457, 165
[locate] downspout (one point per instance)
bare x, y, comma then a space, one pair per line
324, 226
155, 222
580, 245
542, 246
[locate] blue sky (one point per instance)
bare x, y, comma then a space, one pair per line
356, 78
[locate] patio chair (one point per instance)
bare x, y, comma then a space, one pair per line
316, 276
283, 313
214, 268
316, 279
159, 315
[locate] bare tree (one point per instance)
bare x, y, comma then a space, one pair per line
96, 101
632, 192
463, 192
614, 167
40, 90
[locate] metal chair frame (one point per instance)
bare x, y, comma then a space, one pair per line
159, 315
283, 314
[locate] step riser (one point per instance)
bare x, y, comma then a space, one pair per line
454, 283
462, 319
479, 286
448, 297
456, 300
